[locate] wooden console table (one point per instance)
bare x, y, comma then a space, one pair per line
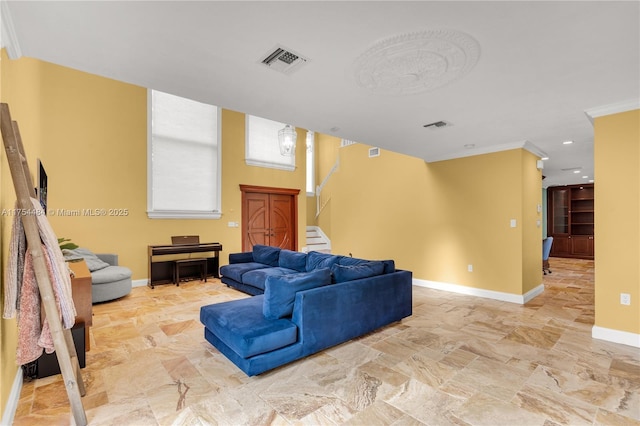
162, 271
81, 292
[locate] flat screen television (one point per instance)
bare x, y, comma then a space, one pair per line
41, 190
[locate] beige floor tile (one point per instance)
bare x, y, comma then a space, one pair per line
457, 360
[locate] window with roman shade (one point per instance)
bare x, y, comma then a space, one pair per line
261, 146
184, 157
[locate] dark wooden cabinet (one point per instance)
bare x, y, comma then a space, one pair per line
570, 219
81, 293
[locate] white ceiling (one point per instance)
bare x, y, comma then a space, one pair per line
541, 66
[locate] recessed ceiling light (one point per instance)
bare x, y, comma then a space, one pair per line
576, 171
585, 177
591, 180
544, 158
567, 142
470, 146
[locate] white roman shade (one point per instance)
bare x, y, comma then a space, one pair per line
183, 158
261, 146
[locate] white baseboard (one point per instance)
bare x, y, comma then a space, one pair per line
14, 398
478, 292
616, 336
139, 283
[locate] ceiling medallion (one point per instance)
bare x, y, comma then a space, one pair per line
416, 62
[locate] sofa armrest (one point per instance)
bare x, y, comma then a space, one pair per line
333, 314
244, 257
110, 258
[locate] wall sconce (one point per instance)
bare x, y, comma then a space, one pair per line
287, 139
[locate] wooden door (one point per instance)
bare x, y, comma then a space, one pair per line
269, 217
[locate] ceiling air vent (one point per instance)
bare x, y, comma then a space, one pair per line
437, 125
346, 142
283, 60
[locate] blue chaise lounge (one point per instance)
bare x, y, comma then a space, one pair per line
299, 310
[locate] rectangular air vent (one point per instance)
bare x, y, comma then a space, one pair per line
283, 60
346, 142
437, 125
374, 152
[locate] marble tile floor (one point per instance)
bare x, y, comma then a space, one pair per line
459, 360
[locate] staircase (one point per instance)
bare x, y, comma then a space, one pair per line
317, 240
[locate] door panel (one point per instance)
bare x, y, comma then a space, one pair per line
582, 246
281, 221
561, 246
257, 219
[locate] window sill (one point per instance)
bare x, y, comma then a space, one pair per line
183, 215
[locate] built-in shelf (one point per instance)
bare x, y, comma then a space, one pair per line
571, 220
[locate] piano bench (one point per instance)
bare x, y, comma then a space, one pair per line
184, 263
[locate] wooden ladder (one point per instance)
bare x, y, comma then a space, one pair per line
62, 338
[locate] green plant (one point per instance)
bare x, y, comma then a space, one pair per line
67, 244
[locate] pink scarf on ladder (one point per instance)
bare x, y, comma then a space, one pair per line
22, 296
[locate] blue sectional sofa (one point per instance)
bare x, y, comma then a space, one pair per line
302, 303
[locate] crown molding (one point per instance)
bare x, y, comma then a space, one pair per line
9, 37
526, 145
618, 107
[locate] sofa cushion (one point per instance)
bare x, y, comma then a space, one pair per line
110, 274
293, 260
235, 271
316, 260
244, 257
389, 265
280, 291
242, 327
257, 277
266, 254
342, 273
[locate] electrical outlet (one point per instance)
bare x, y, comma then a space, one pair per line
625, 299
470, 268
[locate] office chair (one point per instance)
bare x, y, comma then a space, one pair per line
546, 250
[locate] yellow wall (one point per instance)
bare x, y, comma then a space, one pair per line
91, 135
532, 218
617, 218
436, 219
12, 82
93, 143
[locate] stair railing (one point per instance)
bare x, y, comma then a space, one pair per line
321, 201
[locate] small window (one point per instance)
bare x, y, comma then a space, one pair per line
183, 158
311, 170
261, 146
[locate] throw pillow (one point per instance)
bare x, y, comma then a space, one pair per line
280, 291
266, 254
94, 263
342, 273
316, 259
293, 260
